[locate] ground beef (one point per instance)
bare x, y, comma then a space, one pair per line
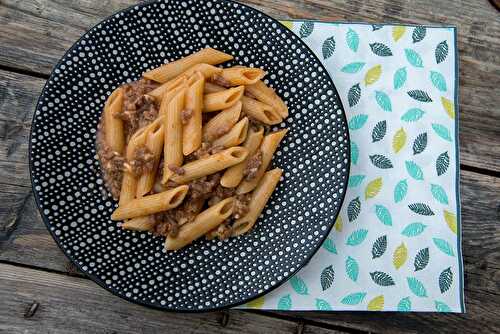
240, 206
203, 152
220, 194
166, 227
186, 115
253, 164
176, 169
142, 161
219, 80
204, 186
112, 165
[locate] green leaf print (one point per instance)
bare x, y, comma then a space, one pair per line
439, 194
322, 305
438, 81
355, 180
357, 122
445, 280
383, 215
419, 95
353, 67
356, 237
379, 247
327, 277
400, 191
404, 305
412, 115
379, 131
285, 303
353, 209
418, 34
383, 100
328, 47
381, 50
400, 78
441, 52
413, 229
399, 140
306, 29
441, 307
414, 170
352, 40
421, 209
381, 161
354, 153
442, 163
441, 131
299, 285
421, 259
354, 95
414, 58
420, 143
373, 188
381, 278
443, 246
376, 27
416, 287
353, 298
329, 245
352, 268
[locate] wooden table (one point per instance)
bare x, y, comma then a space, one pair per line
42, 292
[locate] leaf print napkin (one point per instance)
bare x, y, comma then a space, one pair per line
396, 244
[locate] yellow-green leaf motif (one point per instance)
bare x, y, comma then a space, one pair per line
451, 221
339, 224
399, 140
398, 32
376, 304
373, 188
288, 24
373, 74
256, 303
400, 256
448, 107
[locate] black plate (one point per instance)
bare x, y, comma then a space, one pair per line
209, 274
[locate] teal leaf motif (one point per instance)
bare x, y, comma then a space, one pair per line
421, 209
354, 95
376, 27
438, 81
441, 131
353, 67
442, 163
419, 95
352, 268
420, 143
299, 285
412, 115
378, 132
322, 305
352, 40
400, 78
441, 52
400, 191
383, 100
328, 47
381, 278
353, 298
379, 247
404, 305
357, 122
357, 237
441, 307
354, 153
443, 246
418, 34
381, 161
355, 180
414, 58
439, 194
353, 209
306, 29
383, 215
416, 287
421, 259
285, 303
413, 229
329, 245
327, 276
445, 280
381, 50
414, 170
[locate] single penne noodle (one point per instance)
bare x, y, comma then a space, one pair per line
173, 69
154, 143
267, 95
223, 99
173, 135
207, 70
236, 76
159, 92
260, 111
213, 88
235, 136
268, 147
258, 201
113, 126
167, 98
204, 222
226, 119
234, 174
192, 130
139, 224
211, 164
150, 204
129, 182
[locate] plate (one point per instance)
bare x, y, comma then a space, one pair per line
207, 275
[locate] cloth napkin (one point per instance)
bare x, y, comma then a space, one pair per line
396, 244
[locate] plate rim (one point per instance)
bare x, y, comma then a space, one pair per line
112, 290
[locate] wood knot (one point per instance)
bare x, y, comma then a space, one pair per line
300, 328
31, 309
225, 319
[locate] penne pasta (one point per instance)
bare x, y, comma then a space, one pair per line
192, 130
221, 123
139, 224
268, 147
236, 76
258, 201
173, 135
204, 222
260, 111
210, 165
235, 136
234, 174
223, 99
129, 182
154, 142
213, 88
173, 69
266, 94
150, 204
159, 92
113, 126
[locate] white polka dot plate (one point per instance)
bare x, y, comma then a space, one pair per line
207, 275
